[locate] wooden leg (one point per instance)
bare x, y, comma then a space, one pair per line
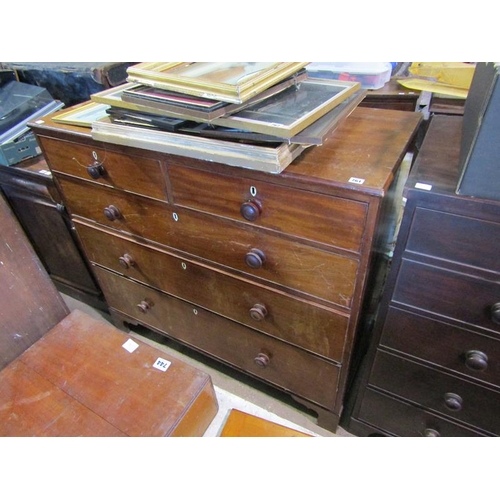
119, 320
325, 418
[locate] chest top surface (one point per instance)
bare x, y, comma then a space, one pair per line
361, 155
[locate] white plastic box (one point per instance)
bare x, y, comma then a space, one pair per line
371, 75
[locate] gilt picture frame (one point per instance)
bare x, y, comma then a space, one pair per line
83, 115
234, 82
293, 110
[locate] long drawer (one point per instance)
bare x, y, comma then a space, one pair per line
299, 322
457, 398
456, 349
461, 297
131, 173
261, 254
379, 410
334, 221
279, 363
455, 238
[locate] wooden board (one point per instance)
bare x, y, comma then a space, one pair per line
241, 424
80, 380
31, 304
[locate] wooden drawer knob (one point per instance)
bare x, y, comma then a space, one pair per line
112, 213
495, 313
476, 360
453, 401
144, 306
258, 312
250, 210
255, 258
431, 433
96, 170
262, 360
126, 261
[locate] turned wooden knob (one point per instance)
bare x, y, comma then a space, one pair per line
453, 401
96, 170
262, 360
431, 433
112, 213
476, 360
255, 258
144, 306
258, 312
250, 210
126, 261
495, 313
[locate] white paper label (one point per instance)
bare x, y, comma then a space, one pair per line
425, 187
356, 180
130, 345
162, 364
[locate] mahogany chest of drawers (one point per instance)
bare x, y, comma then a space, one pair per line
264, 272
432, 368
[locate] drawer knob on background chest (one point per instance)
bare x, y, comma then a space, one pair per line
96, 170
453, 401
250, 210
255, 258
476, 360
431, 433
126, 261
258, 312
112, 213
262, 360
495, 313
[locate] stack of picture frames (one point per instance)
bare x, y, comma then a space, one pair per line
246, 114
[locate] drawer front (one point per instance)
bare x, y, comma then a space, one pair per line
446, 394
405, 420
458, 296
131, 173
455, 238
453, 348
286, 262
333, 221
285, 366
317, 329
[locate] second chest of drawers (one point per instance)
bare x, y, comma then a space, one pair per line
433, 367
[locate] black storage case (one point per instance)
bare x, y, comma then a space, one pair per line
71, 82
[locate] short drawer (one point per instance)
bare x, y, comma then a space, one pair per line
329, 220
403, 419
136, 174
465, 240
281, 364
301, 323
461, 297
448, 346
451, 396
252, 251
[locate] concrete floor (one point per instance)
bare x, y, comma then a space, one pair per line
233, 389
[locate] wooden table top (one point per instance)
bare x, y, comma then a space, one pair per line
81, 380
